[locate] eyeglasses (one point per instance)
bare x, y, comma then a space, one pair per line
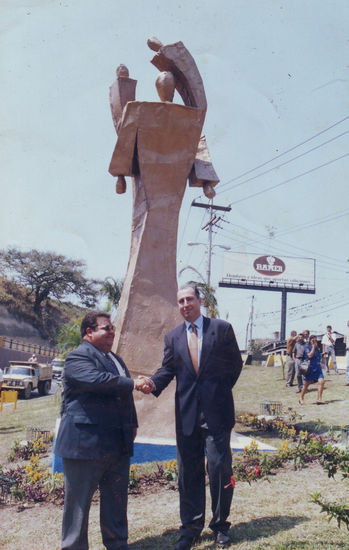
107, 328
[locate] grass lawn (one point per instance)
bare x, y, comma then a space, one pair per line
275, 514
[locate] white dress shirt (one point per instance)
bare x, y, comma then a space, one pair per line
326, 341
120, 368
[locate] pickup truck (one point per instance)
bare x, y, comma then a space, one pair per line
24, 377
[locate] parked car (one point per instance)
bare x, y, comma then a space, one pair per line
57, 366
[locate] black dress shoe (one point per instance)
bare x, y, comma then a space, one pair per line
185, 542
222, 539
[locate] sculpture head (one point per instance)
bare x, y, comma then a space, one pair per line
154, 44
122, 71
165, 85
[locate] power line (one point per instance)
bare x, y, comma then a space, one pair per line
287, 151
329, 218
283, 244
322, 312
252, 195
279, 165
307, 305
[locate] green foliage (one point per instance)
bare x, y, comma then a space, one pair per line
164, 473
133, 481
256, 347
13, 451
37, 279
292, 415
45, 275
208, 298
336, 510
17, 492
305, 448
170, 470
285, 430
68, 337
25, 450
33, 482
112, 288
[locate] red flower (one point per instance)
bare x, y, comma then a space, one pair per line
257, 470
231, 483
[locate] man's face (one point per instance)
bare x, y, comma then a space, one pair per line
306, 334
189, 304
300, 338
102, 336
329, 329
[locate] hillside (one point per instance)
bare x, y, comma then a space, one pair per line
18, 320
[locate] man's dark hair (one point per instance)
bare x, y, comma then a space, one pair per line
329, 326
193, 286
90, 320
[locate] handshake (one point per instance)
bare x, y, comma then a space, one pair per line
144, 384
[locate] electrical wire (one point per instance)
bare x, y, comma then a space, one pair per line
328, 261
289, 180
250, 171
279, 165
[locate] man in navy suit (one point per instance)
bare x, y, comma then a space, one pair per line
204, 414
95, 437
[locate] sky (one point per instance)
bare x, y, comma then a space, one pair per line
277, 127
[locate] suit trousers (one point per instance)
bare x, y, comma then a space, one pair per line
81, 479
191, 479
290, 371
298, 373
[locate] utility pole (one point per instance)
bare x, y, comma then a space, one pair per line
251, 319
249, 326
212, 221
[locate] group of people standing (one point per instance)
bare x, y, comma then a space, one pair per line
306, 360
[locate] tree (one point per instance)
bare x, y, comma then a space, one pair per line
69, 336
208, 298
112, 288
46, 275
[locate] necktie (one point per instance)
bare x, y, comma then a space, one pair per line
194, 347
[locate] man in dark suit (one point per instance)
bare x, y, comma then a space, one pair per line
95, 437
206, 366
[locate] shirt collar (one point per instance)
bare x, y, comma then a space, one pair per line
198, 323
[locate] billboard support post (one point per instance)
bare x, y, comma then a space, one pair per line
283, 314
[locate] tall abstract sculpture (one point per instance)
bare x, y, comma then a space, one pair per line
160, 146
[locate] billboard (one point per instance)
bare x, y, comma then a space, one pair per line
269, 270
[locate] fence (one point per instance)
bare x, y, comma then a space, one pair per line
38, 349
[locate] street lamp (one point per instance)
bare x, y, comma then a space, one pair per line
209, 255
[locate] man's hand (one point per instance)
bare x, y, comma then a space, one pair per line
144, 384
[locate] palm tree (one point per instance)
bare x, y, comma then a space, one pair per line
69, 337
112, 288
208, 298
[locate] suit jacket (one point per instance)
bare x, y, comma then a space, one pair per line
209, 391
98, 415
